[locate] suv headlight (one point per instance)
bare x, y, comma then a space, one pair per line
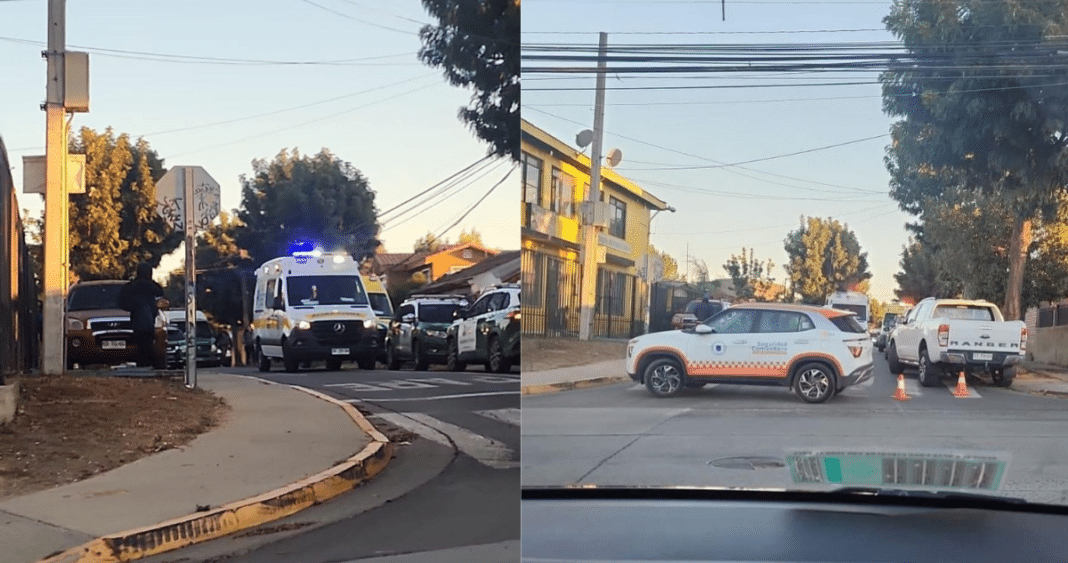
75, 324
370, 323
304, 325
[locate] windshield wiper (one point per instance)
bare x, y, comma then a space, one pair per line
947, 495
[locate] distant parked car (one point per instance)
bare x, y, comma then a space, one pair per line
687, 318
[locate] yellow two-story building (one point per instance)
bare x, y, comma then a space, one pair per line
555, 181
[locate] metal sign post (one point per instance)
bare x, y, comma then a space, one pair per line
179, 185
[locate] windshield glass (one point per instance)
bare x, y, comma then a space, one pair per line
203, 328
380, 304
89, 297
325, 290
916, 130
437, 313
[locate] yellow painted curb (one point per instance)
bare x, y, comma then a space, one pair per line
243, 514
572, 385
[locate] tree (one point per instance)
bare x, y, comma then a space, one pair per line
825, 257
296, 198
473, 237
982, 112
671, 266
878, 310
114, 225
428, 243
751, 277
477, 45
918, 278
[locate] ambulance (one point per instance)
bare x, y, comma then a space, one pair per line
313, 306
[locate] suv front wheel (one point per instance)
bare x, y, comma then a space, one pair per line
498, 363
452, 362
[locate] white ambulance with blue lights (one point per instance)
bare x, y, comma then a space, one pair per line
313, 306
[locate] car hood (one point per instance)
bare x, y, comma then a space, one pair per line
97, 313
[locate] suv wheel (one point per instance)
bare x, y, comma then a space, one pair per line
453, 363
421, 363
497, 362
264, 361
392, 361
664, 378
814, 383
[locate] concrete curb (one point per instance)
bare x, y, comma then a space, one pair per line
243, 514
573, 385
9, 400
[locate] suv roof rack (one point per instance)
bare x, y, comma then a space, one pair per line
504, 286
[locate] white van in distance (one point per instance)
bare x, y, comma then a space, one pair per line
313, 306
854, 302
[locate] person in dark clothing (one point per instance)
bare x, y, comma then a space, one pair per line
704, 310
140, 296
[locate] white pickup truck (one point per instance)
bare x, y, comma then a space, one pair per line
946, 336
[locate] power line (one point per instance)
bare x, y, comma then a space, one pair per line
708, 32
365, 22
455, 184
485, 171
450, 177
477, 203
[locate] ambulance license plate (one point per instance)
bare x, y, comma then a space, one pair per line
340, 351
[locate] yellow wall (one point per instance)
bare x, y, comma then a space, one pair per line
442, 263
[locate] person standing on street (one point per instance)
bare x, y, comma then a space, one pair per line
704, 310
140, 296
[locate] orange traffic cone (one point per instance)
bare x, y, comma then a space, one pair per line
962, 386
900, 394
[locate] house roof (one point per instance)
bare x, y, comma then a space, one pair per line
410, 260
507, 261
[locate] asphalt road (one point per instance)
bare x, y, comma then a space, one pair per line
621, 435
451, 493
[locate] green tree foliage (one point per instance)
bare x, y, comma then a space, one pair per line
751, 277
476, 43
985, 116
918, 278
306, 198
114, 225
825, 257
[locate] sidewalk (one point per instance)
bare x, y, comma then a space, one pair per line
577, 377
277, 443
1041, 379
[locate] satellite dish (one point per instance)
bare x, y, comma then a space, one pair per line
584, 138
614, 157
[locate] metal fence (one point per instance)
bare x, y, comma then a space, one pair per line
19, 305
667, 299
1053, 316
550, 295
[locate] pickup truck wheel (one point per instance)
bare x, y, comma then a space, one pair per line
664, 378
814, 383
891, 358
1003, 377
930, 374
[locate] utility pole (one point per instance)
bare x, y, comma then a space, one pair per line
591, 246
56, 231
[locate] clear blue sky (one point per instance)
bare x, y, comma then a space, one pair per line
721, 210
401, 132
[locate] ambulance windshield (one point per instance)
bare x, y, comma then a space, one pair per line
325, 290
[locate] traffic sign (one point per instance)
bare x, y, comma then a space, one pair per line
170, 197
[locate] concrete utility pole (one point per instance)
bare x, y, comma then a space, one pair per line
591, 245
56, 231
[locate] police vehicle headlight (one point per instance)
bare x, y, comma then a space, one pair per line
436, 333
304, 325
75, 324
370, 323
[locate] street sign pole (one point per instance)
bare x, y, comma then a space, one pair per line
190, 283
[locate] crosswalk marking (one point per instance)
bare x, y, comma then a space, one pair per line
488, 452
507, 416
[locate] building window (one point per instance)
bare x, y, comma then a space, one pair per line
617, 225
531, 179
467, 254
562, 194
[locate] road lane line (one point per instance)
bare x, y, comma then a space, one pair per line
507, 416
488, 452
435, 398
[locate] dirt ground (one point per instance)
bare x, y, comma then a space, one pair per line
540, 354
70, 428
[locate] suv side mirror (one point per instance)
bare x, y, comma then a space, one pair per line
703, 329
278, 304
409, 318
